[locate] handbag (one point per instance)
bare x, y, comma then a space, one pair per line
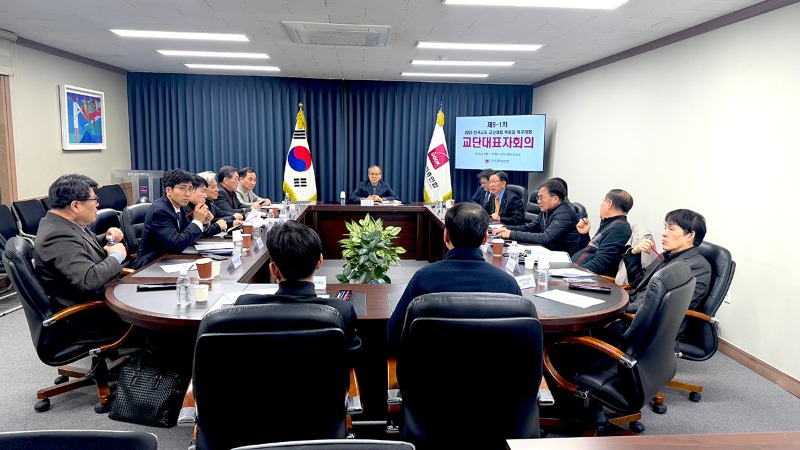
147, 396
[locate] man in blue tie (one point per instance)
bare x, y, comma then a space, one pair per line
373, 189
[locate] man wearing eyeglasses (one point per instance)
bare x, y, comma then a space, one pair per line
374, 188
504, 206
170, 225
555, 228
482, 194
74, 264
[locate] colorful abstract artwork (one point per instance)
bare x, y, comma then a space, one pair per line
83, 121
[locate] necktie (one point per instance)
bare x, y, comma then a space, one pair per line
497, 204
486, 198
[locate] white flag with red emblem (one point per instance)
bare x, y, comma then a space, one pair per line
437, 165
299, 181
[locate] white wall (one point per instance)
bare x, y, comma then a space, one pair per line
711, 124
37, 123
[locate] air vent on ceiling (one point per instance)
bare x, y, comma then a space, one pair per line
338, 34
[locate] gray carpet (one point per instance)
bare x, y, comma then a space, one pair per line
735, 399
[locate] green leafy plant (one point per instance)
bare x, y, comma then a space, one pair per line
368, 252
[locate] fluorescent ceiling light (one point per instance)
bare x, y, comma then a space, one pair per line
577, 4
233, 67
495, 47
445, 75
434, 62
181, 35
214, 54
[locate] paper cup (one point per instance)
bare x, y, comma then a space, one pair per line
204, 268
497, 247
200, 292
247, 229
276, 211
246, 240
216, 266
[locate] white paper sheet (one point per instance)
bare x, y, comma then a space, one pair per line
229, 298
176, 268
570, 272
214, 246
568, 298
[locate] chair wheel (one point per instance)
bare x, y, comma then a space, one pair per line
659, 408
694, 396
101, 408
61, 379
636, 427
42, 405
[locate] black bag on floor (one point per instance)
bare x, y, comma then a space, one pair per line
147, 396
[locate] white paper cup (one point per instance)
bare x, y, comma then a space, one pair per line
216, 266
200, 293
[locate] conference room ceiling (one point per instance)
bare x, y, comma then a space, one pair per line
570, 37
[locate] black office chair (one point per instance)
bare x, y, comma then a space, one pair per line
456, 347
106, 218
47, 202
521, 191
8, 229
112, 197
28, 214
333, 444
623, 376
133, 225
78, 440
143, 199
305, 383
579, 209
699, 340
532, 208
57, 339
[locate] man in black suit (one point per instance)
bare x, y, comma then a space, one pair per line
505, 206
482, 195
295, 252
374, 188
228, 180
170, 225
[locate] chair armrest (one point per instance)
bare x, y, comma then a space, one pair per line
586, 341
394, 398
127, 271
188, 414
74, 309
545, 395
699, 315
354, 395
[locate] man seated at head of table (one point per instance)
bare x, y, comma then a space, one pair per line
295, 252
684, 231
603, 252
228, 180
245, 194
74, 264
464, 269
374, 188
170, 226
554, 228
199, 196
504, 206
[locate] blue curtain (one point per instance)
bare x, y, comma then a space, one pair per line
199, 122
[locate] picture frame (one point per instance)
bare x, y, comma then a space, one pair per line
83, 122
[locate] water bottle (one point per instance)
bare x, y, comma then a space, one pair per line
543, 272
342, 198
270, 215
237, 246
111, 241
513, 253
184, 289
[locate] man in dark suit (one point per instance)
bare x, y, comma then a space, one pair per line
168, 227
295, 252
504, 206
603, 252
74, 264
482, 195
466, 228
228, 180
373, 189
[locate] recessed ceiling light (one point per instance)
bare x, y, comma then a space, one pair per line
495, 47
578, 4
233, 67
181, 35
214, 54
445, 75
436, 62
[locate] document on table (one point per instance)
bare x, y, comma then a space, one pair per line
229, 298
568, 298
570, 272
176, 268
214, 246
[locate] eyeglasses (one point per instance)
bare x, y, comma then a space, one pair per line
374, 174
484, 183
183, 188
95, 199
542, 197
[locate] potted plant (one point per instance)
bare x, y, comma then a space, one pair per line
368, 252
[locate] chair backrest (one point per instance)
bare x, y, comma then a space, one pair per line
650, 339
28, 214
333, 444
306, 379
521, 191
78, 440
454, 344
532, 207
47, 202
8, 226
112, 196
133, 224
106, 218
579, 209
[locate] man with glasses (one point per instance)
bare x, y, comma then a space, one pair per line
374, 188
73, 263
482, 194
555, 228
244, 192
504, 206
170, 226
228, 180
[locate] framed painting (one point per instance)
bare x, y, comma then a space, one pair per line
83, 122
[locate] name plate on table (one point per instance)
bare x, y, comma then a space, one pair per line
511, 265
259, 244
366, 202
320, 282
235, 262
486, 248
526, 281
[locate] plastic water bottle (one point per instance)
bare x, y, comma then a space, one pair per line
184, 289
270, 215
543, 272
342, 198
513, 253
237, 246
111, 241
